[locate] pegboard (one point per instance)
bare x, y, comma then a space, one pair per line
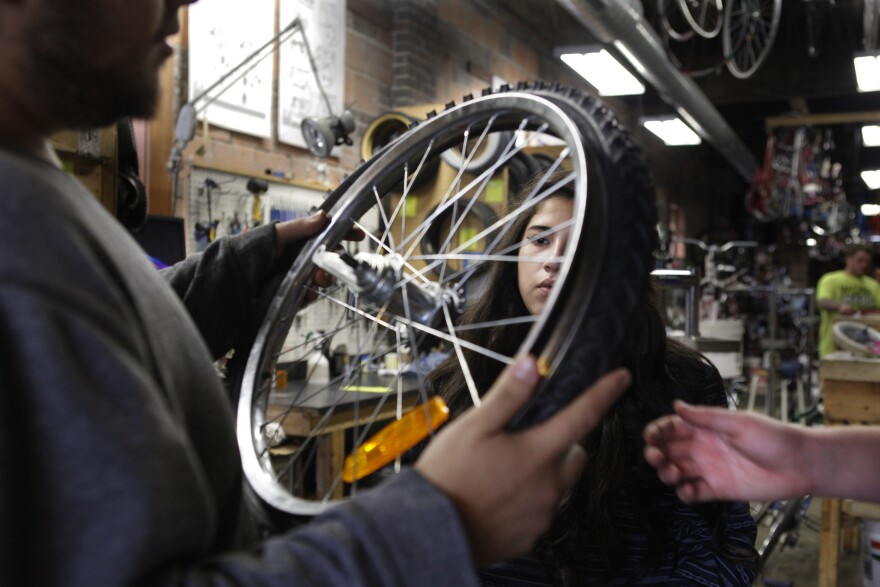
232, 206
232, 212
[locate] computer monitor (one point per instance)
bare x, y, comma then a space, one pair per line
163, 238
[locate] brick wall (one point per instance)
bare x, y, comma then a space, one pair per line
415, 45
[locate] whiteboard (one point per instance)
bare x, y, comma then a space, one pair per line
298, 94
222, 33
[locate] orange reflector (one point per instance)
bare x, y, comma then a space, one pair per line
395, 439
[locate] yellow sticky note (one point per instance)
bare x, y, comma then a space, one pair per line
494, 191
411, 207
466, 234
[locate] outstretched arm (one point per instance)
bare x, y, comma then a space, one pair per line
716, 454
839, 307
219, 285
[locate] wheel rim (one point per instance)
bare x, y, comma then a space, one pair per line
673, 28
748, 34
286, 486
704, 16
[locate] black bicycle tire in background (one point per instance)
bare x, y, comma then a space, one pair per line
609, 274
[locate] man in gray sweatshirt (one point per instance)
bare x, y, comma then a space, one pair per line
118, 460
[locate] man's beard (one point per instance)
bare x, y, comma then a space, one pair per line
69, 85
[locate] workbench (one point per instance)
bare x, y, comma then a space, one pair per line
323, 412
851, 396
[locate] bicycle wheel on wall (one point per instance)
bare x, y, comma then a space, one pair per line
390, 305
704, 16
672, 21
748, 34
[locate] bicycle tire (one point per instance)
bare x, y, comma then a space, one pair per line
384, 130
519, 170
748, 34
578, 337
787, 520
478, 159
432, 243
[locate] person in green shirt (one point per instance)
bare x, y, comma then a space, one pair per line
845, 292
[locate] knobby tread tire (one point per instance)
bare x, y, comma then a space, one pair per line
620, 176
587, 327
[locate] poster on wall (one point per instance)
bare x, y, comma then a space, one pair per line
298, 93
222, 34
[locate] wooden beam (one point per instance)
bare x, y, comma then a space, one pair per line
160, 133
822, 119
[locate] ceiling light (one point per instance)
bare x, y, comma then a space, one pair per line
604, 72
872, 179
871, 135
867, 71
870, 209
671, 130
811, 242
672, 273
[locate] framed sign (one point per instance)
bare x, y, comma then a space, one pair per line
222, 33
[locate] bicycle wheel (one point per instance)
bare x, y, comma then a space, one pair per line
388, 308
748, 34
704, 16
476, 156
787, 517
670, 21
385, 129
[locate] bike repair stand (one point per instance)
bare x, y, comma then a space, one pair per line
772, 345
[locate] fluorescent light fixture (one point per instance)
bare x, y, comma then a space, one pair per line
672, 273
604, 72
671, 130
871, 135
811, 242
872, 179
867, 71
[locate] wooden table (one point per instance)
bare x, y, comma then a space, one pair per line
851, 395
325, 412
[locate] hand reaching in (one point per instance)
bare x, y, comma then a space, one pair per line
293, 231
717, 454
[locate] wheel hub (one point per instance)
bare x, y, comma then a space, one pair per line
379, 281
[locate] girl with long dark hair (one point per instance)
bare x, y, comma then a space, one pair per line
620, 525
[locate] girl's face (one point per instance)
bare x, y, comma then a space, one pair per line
541, 249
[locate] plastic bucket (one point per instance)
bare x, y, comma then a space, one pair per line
871, 552
727, 329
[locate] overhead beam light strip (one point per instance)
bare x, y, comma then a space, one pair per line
671, 130
867, 66
871, 135
872, 179
604, 72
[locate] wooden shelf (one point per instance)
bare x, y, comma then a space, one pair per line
90, 156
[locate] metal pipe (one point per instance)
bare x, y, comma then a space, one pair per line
615, 23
